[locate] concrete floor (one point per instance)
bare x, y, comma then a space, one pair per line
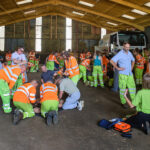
76, 130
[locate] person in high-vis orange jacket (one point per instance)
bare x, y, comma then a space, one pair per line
88, 54
32, 60
21, 80
8, 58
8, 78
51, 60
148, 67
82, 56
105, 63
23, 99
85, 64
49, 102
139, 66
72, 68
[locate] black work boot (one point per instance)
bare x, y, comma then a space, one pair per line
55, 117
49, 118
17, 117
147, 127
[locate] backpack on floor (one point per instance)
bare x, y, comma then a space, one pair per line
122, 127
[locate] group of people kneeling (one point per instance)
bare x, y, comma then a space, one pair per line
24, 99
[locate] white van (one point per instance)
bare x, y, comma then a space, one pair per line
114, 41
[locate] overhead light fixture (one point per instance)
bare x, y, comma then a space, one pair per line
86, 3
138, 12
23, 2
29, 12
147, 4
128, 17
111, 23
77, 13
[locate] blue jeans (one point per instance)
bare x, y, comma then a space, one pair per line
116, 81
71, 101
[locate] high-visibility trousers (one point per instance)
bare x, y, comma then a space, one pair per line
17, 84
50, 65
126, 81
61, 63
91, 81
97, 71
75, 79
32, 69
82, 73
9, 63
110, 82
5, 96
36, 65
25, 108
138, 76
49, 105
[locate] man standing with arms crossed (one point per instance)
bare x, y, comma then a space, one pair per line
125, 61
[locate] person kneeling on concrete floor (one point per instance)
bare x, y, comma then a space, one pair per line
23, 99
49, 102
8, 78
142, 103
66, 85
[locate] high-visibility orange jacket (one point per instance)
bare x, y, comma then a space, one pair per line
48, 91
60, 71
82, 56
25, 94
53, 58
88, 54
105, 63
10, 74
31, 55
30, 64
8, 56
140, 61
72, 67
86, 62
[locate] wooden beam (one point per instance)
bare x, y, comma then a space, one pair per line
27, 18
131, 5
60, 14
28, 7
86, 21
14, 30
56, 28
71, 5
5, 10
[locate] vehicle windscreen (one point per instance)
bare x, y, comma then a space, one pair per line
135, 39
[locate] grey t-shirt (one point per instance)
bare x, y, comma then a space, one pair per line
68, 86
